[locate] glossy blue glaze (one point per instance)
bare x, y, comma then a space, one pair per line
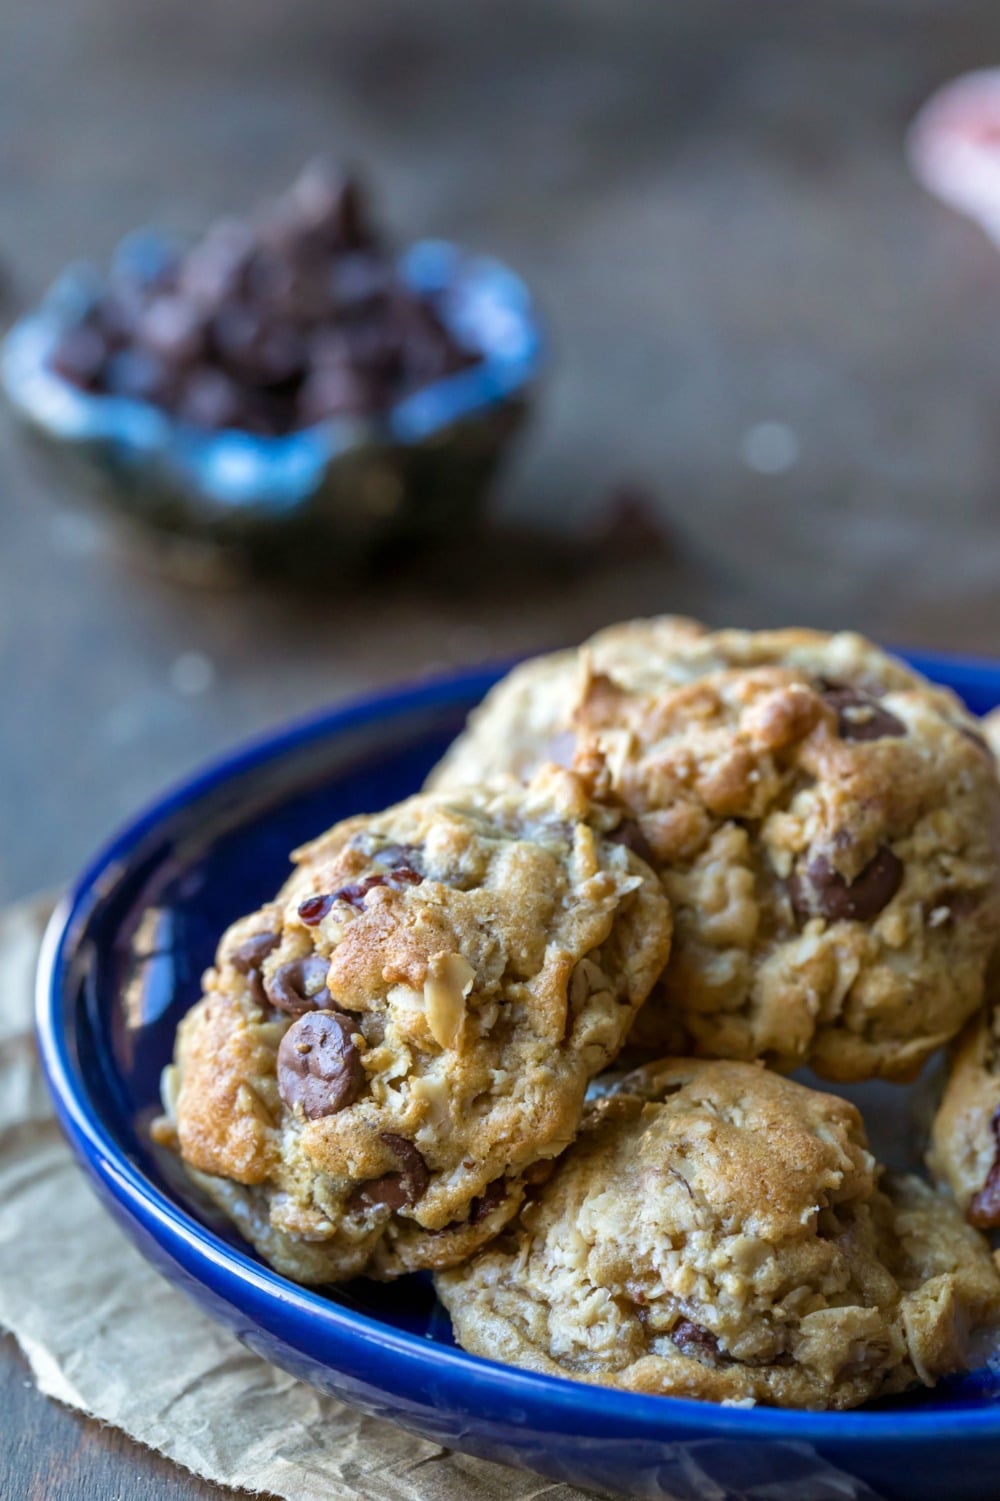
121, 963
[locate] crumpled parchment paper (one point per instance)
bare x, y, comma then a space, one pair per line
106, 1334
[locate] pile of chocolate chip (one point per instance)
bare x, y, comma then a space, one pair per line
267, 326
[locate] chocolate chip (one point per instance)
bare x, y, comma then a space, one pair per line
265, 328
319, 1066
629, 833
313, 910
336, 391
138, 374
695, 1341
984, 1207
214, 270
251, 953
396, 1190
491, 1198
480, 1208
172, 328
325, 199
399, 856
820, 890
209, 399
300, 985
79, 356
402, 873
860, 716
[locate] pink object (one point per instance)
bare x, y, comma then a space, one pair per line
953, 147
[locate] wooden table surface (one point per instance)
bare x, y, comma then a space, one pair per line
756, 319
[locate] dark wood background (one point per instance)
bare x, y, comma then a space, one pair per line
711, 203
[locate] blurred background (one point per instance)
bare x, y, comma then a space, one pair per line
772, 392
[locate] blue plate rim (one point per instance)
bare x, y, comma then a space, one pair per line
645, 1416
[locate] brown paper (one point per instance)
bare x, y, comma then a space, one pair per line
106, 1334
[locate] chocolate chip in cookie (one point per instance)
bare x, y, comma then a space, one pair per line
397, 1190
821, 891
860, 716
319, 1066
299, 985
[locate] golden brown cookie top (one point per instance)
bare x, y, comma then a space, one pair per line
388, 1048
824, 820
717, 1232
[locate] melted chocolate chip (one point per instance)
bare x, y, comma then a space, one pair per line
300, 985
491, 1198
860, 716
480, 1208
822, 891
313, 910
629, 832
400, 857
396, 1190
319, 1066
695, 1341
402, 873
251, 953
984, 1209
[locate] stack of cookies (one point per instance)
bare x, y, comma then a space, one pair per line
706, 859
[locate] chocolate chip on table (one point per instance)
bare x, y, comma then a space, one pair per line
319, 1066
300, 985
396, 1190
860, 716
819, 890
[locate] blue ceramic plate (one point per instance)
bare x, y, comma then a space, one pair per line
122, 963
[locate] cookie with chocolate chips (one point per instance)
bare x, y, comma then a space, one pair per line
964, 1153
387, 1054
824, 820
720, 1232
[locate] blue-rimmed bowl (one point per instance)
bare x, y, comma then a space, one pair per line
334, 493
121, 963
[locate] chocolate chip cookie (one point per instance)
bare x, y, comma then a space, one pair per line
719, 1232
824, 820
390, 1051
964, 1152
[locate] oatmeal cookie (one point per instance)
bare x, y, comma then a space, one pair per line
824, 820
964, 1153
719, 1232
386, 1054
